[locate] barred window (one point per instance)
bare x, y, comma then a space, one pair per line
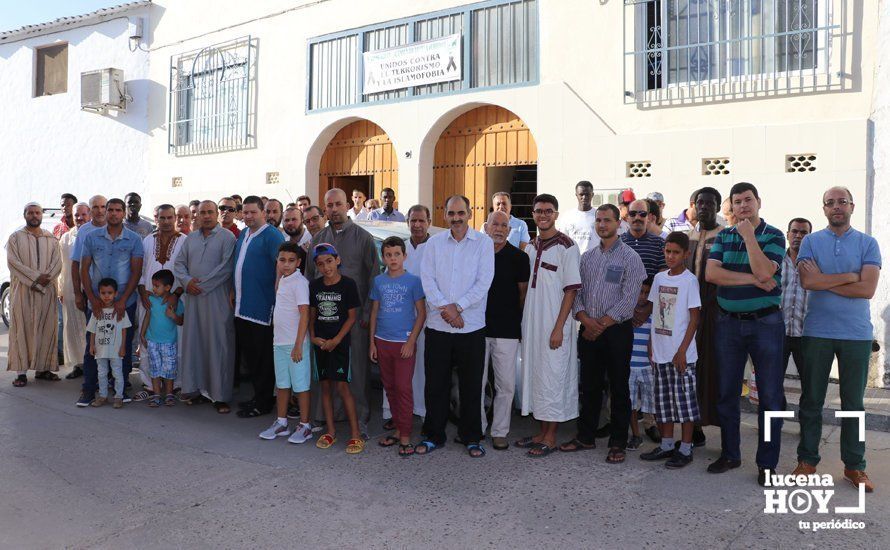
211, 99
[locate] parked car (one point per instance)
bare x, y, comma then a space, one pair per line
383, 230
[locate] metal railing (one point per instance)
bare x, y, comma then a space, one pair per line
683, 51
211, 105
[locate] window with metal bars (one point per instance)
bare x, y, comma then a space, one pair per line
212, 99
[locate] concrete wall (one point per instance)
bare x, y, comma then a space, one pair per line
48, 145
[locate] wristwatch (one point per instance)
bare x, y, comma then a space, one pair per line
459, 309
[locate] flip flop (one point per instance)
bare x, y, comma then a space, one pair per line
578, 446
475, 448
525, 442
541, 450
427, 446
388, 441
616, 455
406, 450
221, 408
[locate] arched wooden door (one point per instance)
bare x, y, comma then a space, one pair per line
477, 140
359, 152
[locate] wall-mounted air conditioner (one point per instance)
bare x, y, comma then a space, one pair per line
103, 90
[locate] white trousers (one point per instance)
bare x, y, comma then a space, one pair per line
417, 383
502, 354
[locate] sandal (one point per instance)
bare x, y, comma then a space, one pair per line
221, 407
155, 402
425, 447
170, 400
355, 446
616, 455
541, 450
20, 381
389, 425
251, 413
525, 442
475, 450
406, 450
325, 441
388, 441
575, 445
197, 400
46, 375
142, 395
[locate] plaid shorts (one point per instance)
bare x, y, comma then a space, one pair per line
162, 360
675, 399
640, 384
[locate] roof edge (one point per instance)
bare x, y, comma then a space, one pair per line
70, 22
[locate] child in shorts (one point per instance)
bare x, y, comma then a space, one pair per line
398, 311
640, 381
108, 344
333, 308
290, 346
159, 337
676, 308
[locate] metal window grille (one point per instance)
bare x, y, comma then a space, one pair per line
211, 99
723, 49
501, 38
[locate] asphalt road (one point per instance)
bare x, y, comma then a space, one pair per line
188, 477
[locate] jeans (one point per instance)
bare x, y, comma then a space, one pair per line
794, 348
608, 355
852, 357
763, 339
116, 367
90, 372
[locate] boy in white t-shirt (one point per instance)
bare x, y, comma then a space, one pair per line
290, 323
675, 314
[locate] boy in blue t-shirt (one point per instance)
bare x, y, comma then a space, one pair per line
159, 337
640, 381
398, 311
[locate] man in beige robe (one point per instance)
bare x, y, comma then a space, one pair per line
74, 324
34, 265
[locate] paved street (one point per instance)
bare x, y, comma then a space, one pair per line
139, 478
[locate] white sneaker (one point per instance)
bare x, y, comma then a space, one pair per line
275, 430
302, 434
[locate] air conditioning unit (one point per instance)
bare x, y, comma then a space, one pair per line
103, 90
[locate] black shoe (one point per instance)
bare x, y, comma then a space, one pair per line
76, 373
605, 431
653, 434
761, 477
657, 454
678, 460
249, 404
723, 465
698, 437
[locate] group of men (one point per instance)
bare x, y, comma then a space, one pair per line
564, 302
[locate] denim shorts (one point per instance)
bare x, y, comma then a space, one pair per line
288, 374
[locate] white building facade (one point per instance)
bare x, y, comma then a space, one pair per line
289, 97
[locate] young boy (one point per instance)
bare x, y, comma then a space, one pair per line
159, 337
290, 346
108, 344
676, 304
333, 308
640, 382
398, 312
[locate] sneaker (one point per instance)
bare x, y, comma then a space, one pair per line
84, 400
803, 469
653, 434
302, 434
99, 401
118, 402
126, 397
722, 465
678, 460
657, 454
633, 444
857, 478
275, 430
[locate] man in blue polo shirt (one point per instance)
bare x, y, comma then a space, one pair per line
840, 267
745, 263
518, 235
115, 252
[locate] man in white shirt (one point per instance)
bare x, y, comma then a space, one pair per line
293, 227
580, 224
457, 270
358, 204
419, 224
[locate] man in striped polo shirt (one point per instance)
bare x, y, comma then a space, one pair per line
745, 263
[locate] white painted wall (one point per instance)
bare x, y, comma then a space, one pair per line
48, 145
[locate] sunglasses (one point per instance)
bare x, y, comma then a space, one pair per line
637, 213
226, 208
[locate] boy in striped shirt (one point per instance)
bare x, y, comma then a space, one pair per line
640, 381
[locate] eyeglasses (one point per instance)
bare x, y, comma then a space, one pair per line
226, 208
637, 213
840, 202
543, 212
